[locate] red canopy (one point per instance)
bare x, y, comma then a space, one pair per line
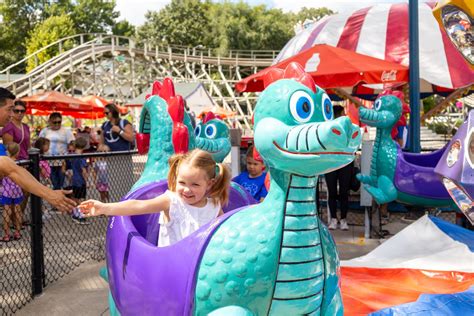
333, 67
98, 104
53, 101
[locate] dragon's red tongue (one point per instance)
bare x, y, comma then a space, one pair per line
180, 135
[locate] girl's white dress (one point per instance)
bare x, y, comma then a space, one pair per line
184, 219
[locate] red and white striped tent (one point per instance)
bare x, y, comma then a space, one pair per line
381, 31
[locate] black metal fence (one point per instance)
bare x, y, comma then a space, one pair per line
52, 243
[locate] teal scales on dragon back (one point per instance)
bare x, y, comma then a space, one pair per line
278, 252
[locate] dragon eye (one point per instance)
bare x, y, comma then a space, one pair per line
197, 130
377, 104
211, 131
328, 113
301, 106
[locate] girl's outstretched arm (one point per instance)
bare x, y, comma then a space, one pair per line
125, 208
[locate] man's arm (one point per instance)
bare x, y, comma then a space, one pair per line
26, 181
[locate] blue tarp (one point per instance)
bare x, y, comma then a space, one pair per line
456, 232
456, 304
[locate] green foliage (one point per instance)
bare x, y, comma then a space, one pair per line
18, 18
123, 28
21, 17
94, 16
311, 14
429, 103
182, 22
223, 25
47, 32
241, 26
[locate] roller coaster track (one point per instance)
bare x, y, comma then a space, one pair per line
117, 68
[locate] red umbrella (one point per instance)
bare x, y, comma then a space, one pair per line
98, 104
53, 101
333, 67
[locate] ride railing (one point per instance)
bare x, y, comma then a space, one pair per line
69, 43
53, 243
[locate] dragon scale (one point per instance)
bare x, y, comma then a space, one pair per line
300, 276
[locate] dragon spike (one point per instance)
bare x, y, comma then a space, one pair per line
295, 71
176, 109
167, 92
164, 90
292, 71
211, 116
156, 88
272, 75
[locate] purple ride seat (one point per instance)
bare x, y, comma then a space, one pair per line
157, 281
415, 175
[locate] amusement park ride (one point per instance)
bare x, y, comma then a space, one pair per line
272, 258
275, 257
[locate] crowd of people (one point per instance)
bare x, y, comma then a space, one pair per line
63, 182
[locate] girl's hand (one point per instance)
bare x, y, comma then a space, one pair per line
92, 208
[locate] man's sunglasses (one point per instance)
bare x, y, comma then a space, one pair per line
56, 122
18, 111
106, 112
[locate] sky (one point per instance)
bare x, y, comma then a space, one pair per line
134, 10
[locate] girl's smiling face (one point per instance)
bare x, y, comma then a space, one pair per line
192, 185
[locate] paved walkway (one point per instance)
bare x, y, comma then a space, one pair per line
84, 292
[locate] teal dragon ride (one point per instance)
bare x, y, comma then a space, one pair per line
212, 135
274, 258
395, 175
163, 117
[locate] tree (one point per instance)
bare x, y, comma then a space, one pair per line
94, 16
47, 32
241, 26
123, 28
315, 14
18, 18
182, 22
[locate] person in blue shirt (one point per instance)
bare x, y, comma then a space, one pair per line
79, 179
253, 180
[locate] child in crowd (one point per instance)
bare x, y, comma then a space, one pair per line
101, 174
45, 170
11, 199
198, 187
79, 180
67, 166
253, 180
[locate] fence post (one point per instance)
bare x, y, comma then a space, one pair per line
37, 253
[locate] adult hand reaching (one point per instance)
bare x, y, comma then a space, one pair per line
59, 200
26, 181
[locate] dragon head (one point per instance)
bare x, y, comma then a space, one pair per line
385, 114
212, 135
294, 129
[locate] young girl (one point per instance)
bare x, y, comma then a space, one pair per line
101, 174
45, 170
198, 187
11, 199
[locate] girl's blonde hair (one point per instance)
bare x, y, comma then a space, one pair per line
13, 149
203, 160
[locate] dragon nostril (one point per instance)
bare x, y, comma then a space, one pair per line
355, 134
336, 131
